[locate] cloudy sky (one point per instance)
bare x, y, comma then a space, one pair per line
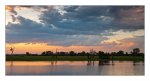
79, 28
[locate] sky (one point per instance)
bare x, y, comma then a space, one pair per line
36, 29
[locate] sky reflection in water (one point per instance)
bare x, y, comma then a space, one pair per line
74, 68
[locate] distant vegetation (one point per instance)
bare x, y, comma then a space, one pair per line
134, 52
92, 55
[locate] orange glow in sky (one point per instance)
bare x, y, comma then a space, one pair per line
42, 23
8, 8
38, 48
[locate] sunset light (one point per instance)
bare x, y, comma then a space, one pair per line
74, 40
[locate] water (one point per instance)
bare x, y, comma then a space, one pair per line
74, 68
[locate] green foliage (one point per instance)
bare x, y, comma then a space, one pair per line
69, 58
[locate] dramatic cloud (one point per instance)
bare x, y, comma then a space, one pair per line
14, 10
30, 31
11, 9
79, 26
96, 17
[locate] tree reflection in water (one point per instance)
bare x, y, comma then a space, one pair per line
90, 63
100, 62
90, 67
53, 62
137, 63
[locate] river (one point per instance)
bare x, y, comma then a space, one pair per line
74, 68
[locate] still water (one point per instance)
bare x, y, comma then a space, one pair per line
74, 68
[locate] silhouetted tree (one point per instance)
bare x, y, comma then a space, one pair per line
88, 54
63, 53
126, 53
136, 51
100, 54
47, 53
120, 52
113, 53
72, 53
82, 53
92, 53
12, 50
27, 53
43, 53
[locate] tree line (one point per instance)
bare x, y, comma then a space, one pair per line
135, 51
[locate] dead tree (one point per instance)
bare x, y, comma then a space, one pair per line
12, 50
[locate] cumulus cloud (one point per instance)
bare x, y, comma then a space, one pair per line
31, 31
12, 9
75, 25
126, 44
96, 17
13, 18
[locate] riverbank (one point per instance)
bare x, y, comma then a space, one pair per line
70, 58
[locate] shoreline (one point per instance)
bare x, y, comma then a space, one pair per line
71, 58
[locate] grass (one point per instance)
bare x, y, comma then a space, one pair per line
69, 58
128, 58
